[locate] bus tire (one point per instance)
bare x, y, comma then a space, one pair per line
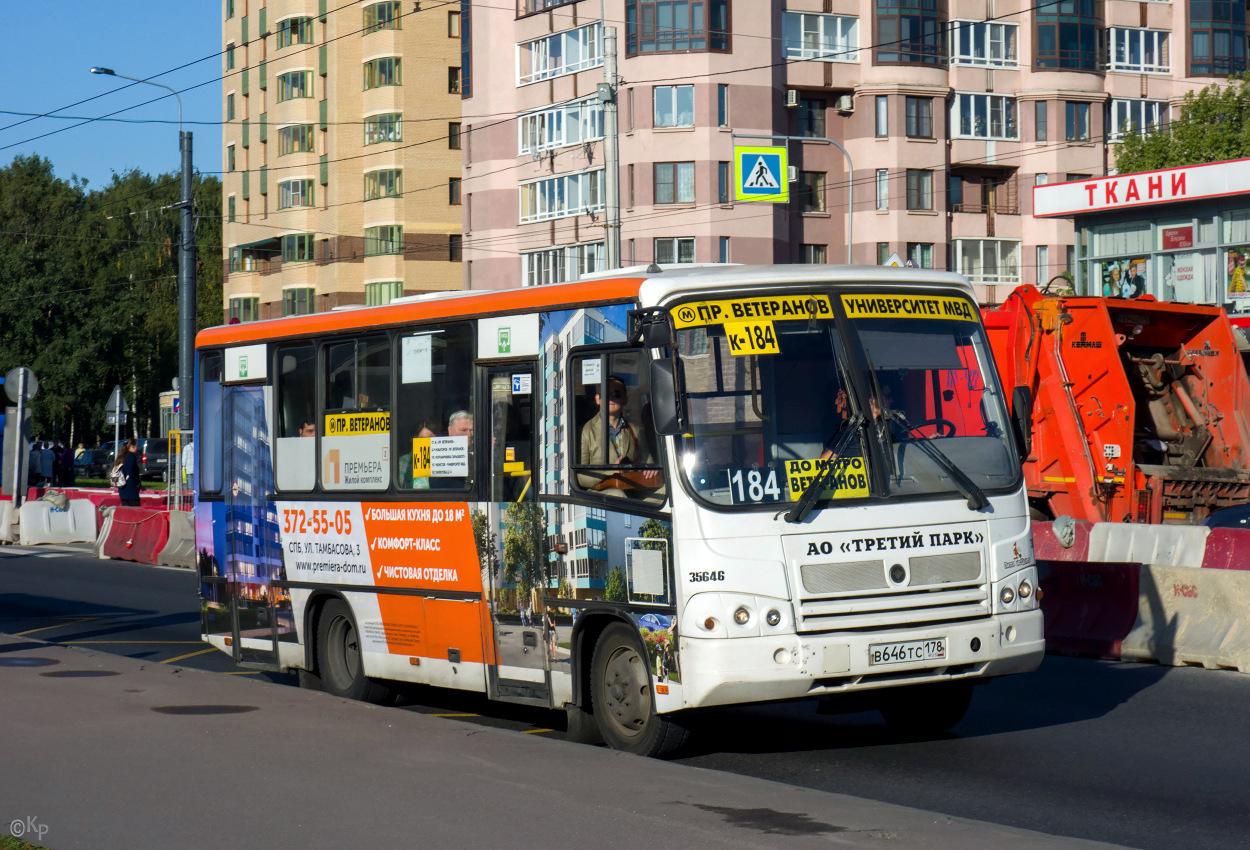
927, 710
340, 666
620, 682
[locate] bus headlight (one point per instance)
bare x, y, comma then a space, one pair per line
773, 617
1007, 596
1025, 590
742, 616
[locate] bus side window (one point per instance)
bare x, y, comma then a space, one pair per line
355, 432
614, 448
296, 445
434, 401
209, 411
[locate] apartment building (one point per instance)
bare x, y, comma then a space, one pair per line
951, 111
341, 153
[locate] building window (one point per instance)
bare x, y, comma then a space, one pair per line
910, 32
294, 84
382, 16
674, 183
295, 193
453, 81
676, 26
298, 301
1137, 50
384, 128
230, 56
989, 261
1135, 116
229, 9
453, 135
919, 189
383, 292
563, 263
984, 116
295, 31
675, 249
298, 248
722, 105
1043, 265
562, 196
1077, 121
230, 107
883, 253
812, 117
559, 54
453, 25
1067, 35
829, 38
245, 309
812, 191
558, 126
230, 208
1039, 121
883, 189
986, 45
1217, 38
466, 49
883, 116
1041, 179
229, 158
722, 182
919, 117
387, 183
723, 254
955, 193
384, 239
815, 254
297, 138
455, 247
674, 106
385, 71
920, 254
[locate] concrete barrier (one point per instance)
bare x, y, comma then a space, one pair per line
179, 550
43, 522
1157, 545
1089, 608
106, 527
6, 522
136, 534
1192, 616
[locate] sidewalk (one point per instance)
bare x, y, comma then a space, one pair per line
101, 750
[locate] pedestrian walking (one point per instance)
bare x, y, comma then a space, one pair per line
69, 473
125, 475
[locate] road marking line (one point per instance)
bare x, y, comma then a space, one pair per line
189, 655
132, 641
57, 626
454, 715
535, 731
243, 672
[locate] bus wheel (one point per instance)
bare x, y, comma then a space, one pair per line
621, 692
338, 656
925, 710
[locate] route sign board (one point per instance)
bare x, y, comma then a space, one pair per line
761, 174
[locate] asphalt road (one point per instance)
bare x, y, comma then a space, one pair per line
1133, 754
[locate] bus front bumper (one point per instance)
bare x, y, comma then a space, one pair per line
726, 671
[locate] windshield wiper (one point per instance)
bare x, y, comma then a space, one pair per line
807, 499
974, 494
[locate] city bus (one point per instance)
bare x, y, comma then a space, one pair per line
626, 497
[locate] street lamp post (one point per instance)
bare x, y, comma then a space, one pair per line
186, 265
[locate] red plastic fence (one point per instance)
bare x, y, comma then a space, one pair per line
1089, 608
137, 534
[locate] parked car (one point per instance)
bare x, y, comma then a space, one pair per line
93, 463
1238, 516
153, 457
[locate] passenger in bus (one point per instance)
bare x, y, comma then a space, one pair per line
308, 428
406, 481
626, 447
461, 425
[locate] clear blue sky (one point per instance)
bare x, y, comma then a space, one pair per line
47, 52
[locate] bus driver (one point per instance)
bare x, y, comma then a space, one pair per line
626, 447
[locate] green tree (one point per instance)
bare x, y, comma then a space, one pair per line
616, 590
525, 546
1214, 125
486, 541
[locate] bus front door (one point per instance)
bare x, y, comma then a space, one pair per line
522, 641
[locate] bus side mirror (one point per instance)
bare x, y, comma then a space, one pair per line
1022, 419
651, 326
667, 412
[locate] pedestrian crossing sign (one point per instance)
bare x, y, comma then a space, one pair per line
762, 174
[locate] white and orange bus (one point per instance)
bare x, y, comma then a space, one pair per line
625, 497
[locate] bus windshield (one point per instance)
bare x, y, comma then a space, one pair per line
895, 391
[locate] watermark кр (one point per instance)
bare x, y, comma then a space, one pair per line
28, 827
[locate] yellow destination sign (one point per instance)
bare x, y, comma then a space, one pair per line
909, 307
420, 457
699, 313
848, 481
751, 337
357, 424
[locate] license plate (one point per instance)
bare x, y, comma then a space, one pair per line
933, 649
